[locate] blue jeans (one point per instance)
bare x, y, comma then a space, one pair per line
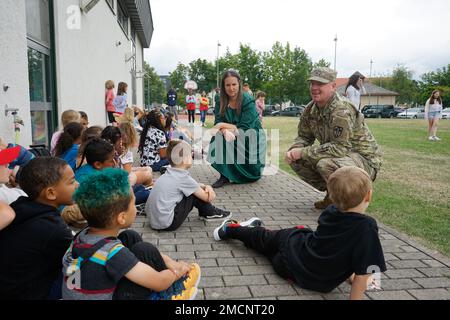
141, 194
203, 116
157, 165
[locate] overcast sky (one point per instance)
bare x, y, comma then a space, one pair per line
415, 33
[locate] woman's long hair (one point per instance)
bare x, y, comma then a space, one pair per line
432, 99
153, 119
353, 81
71, 133
224, 99
129, 135
122, 88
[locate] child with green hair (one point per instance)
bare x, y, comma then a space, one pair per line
102, 264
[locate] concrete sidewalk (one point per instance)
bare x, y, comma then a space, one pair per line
230, 271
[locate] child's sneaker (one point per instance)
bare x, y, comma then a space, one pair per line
216, 214
193, 277
220, 232
188, 294
251, 223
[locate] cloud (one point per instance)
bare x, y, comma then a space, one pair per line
413, 33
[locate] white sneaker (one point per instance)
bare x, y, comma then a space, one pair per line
431, 138
436, 138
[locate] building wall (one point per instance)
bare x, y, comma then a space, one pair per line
14, 70
139, 67
377, 100
88, 56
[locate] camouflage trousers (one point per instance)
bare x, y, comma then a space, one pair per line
317, 174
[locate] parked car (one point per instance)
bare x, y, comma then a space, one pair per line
398, 110
294, 111
379, 111
446, 113
413, 113
269, 110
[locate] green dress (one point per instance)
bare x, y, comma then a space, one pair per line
243, 159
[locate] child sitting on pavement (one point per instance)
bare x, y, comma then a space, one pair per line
102, 264
8, 156
176, 193
344, 246
33, 245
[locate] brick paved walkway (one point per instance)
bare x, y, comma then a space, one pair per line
230, 271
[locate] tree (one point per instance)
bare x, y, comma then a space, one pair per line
285, 74
249, 65
178, 78
401, 81
435, 80
321, 63
203, 73
154, 89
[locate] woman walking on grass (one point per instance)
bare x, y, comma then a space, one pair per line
433, 112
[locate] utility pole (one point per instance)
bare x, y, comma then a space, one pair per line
335, 50
370, 77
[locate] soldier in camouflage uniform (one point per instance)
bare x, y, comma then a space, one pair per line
343, 136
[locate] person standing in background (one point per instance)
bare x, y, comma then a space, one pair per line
433, 112
191, 101
109, 98
120, 102
172, 102
355, 89
204, 105
260, 104
246, 88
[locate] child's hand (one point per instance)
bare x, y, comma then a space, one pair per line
211, 193
228, 135
180, 269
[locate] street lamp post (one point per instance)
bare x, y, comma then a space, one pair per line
335, 51
217, 62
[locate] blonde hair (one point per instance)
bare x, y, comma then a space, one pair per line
131, 138
109, 84
348, 186
69, 116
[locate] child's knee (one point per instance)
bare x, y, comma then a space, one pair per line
129, 238
145, 251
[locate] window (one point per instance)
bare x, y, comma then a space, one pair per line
38, 21
133, 34
39, 73
122, 18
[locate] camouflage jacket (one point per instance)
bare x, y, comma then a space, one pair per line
340, 129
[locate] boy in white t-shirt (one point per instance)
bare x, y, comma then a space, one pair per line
176, 193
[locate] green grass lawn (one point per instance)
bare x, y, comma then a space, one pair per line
412, 191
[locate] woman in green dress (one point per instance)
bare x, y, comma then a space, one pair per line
238, 149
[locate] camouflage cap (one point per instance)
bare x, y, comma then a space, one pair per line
323, 75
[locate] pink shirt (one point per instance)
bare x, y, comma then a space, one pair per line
109, 98
259, 107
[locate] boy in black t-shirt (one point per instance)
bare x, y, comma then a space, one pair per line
33, 245
102, 264
344, 246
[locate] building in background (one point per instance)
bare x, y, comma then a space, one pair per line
374, 94
57, 55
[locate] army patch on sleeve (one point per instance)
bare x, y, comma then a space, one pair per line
337, 131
